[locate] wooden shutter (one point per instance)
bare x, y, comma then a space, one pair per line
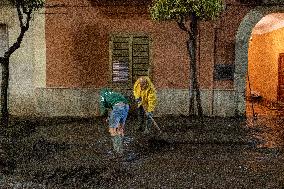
140, 57
129, 58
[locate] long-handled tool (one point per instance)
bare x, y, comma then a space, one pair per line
161, 134
155, 123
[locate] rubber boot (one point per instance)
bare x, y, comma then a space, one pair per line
115, 143
140, 119
148, 126
120, 145
146, 131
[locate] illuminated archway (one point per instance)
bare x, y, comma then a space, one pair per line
241, 52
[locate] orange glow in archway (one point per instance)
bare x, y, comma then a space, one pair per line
267, 42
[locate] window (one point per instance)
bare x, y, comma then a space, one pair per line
129, 58
224, 72
3, 39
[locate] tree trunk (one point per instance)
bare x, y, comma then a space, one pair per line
192, 45
191, 91
4, 91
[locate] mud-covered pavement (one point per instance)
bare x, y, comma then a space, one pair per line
75, 153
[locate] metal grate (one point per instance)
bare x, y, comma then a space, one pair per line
224, 72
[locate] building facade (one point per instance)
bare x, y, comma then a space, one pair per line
74, 48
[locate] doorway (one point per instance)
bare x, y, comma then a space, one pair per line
265, 83
280, 92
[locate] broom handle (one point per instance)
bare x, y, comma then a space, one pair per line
155, 123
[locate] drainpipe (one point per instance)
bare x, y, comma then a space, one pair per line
198, 66
214, 63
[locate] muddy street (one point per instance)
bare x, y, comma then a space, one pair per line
215, 153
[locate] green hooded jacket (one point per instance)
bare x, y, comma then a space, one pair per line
109, 98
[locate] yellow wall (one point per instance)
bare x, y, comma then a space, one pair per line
27, 64
263, 63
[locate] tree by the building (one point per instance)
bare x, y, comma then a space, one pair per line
187, 14
25, 9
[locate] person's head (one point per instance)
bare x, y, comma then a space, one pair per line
143, 83
105, 91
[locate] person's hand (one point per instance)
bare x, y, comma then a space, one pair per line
149, 114
104, 117
138, 100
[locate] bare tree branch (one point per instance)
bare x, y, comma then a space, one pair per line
24, 28
181, 24
20, 14
29, 16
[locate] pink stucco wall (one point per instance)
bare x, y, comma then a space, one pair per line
77, 40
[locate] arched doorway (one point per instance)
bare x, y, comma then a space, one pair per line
241, 52
266, 66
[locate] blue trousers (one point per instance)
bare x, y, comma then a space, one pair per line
118, 115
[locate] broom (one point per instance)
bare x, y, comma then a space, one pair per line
156, 125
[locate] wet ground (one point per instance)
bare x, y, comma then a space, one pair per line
213, 153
